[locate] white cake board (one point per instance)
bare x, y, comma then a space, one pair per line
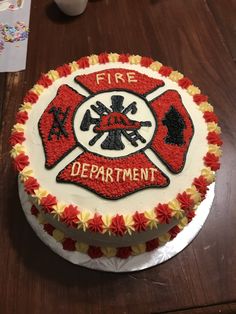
133, 263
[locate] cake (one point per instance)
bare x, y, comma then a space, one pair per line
115, 152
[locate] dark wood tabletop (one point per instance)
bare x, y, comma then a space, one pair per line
197, 37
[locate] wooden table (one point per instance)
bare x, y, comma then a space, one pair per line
196, 37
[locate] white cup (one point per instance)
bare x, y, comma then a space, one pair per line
72, 7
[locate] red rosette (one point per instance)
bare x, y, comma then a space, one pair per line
146, 61
83, 62
123, 252
140, 221
16, 138
198, 98
185, 201
117, 225
68, 244
201, 185
64, 70
152, 245
123, 58
184, 82
174, 231
34, 211
163, 213
103, 58
70, 216
94, 252
165, 71
21, 161
45, 81
212, 161
96, 224
30, 185
21, 117
48, 202
31, 97
190, 215
210, 116
48, 228
214, 138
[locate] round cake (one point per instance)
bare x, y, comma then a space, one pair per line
116, 152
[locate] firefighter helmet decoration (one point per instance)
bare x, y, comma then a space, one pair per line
123, 115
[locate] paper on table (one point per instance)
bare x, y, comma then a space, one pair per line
13, 54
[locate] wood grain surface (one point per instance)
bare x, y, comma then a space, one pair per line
197, 37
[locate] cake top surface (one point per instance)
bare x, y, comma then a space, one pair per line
116, 135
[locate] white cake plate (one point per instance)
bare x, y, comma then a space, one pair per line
133, 263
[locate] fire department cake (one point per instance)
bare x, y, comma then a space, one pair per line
116, 153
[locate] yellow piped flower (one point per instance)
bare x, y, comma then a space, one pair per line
26, 173
53, 75
18, 127
213, 127
177, 211
113, 57
183, 222
106, 224
16, 150
134, 59
193, 90
73, 66
205, 106
93, 59
194, 194
84, 216
40, 218
109, 251
37, 89
129, 224
58, 209
81, 247
215, 149
155, 66
175, 76
152, 220
26, 106
58, 235
164, 238
39, 194
138, 249
208, 174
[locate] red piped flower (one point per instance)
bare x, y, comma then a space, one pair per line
31, 184
64, 70
44, 80
198, 98
96, 224
146, 62
190, 215
123, 58
201, 185
103, 58
163, 213
165, 71
117, 226
212, 161
124, 252
214, 138
69, 244
31, 97
94, 252
16, 138
152, 245
185, 200
210, 116
184, 82
34, 211
70, 216
174, 231
48, 202
21, 117
48, 228
83, 62
140, 221
21, 161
